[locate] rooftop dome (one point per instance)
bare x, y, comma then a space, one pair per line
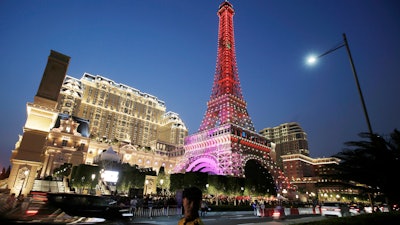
109, 155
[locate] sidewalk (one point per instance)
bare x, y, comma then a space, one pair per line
292, 221
159, 220
173, 220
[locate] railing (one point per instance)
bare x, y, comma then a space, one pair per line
154, 212
48, 186
173, 210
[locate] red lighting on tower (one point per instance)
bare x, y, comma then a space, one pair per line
226, 139
226, 104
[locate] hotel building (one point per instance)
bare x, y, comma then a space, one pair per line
74, 120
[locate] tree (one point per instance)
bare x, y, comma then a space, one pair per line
163, 181
176, 181
81, 176
5, 174
258, 179
63, 171
126, 177
197, 179
373, 162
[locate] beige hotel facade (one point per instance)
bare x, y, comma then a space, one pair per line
74, 120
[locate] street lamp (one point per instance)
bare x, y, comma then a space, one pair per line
161, 184
313, 59
91, 185
145, 188
83, 180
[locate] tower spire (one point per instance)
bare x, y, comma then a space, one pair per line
226, 104
226, 140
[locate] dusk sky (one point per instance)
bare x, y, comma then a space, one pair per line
168, 48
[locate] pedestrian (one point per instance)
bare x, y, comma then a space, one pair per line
10, 202
254, 206
204, 208
133, 205
262, 209
150, 205
258, 208
192, 198
165, 206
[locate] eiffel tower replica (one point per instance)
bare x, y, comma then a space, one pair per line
226, 139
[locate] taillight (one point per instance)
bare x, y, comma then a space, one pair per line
31, 212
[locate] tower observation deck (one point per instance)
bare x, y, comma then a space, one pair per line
226, 139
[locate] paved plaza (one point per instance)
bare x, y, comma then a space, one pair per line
230, 218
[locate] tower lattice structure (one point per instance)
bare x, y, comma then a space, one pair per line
226, 139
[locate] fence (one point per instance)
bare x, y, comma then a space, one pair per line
172, 211
156, 211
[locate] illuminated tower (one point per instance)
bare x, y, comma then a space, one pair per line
226, 104
226, 139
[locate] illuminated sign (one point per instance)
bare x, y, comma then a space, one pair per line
110, 176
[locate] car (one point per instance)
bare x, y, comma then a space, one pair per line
338, 209
279, 213
377, 208
356, 209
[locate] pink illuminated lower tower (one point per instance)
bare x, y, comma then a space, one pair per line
226, 139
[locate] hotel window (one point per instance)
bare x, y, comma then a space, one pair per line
81, 147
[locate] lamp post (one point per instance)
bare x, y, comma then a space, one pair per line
83, 180
313, 59
161, 184
91, 184
145, 187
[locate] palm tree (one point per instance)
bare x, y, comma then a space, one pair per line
373, 162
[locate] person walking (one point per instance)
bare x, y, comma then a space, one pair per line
204, 208
11, 201
254, 206
133, 205
150, 206
191, 199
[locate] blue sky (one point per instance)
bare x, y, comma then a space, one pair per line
168, 48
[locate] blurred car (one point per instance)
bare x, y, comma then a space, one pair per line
279, 213
338, 209
104, 206
356, 209
377, 208
38, 210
